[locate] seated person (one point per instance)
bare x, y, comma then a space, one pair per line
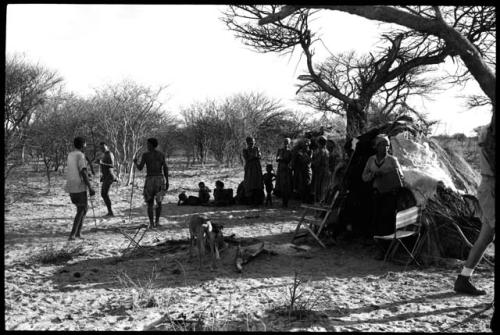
203, 193
184, 200
222, 196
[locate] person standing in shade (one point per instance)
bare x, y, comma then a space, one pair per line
303, 172
284, 173
486, 197
320, 172
107, 163
253, 184
378, 170
77, 182
156, 183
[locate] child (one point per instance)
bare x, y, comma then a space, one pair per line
268, 178
203, 193
184, 200
222, 196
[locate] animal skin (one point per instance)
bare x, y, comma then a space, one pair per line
201, 229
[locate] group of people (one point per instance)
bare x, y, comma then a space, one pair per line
78, 181
302, 171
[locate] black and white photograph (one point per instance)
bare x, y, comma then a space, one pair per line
230, 167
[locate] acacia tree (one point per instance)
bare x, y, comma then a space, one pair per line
128, 114
27, 87
469, 31
345, 84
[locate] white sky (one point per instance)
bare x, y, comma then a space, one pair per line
189, 49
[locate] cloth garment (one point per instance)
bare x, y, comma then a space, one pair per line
388, 165
108, 172
253, 170
74, 181
154, 187
320, 174
283, 183
79, 199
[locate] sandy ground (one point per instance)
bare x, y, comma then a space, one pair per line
344, 288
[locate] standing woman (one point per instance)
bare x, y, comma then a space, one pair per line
321, 174
252, 180
284, 174
303, 171
384, 171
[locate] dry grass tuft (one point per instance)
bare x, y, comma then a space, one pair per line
53, 255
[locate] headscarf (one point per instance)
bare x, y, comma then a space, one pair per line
381, 138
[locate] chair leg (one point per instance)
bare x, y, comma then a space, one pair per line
391, 246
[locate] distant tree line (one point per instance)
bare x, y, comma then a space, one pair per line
42, 120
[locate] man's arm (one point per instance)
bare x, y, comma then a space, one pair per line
89, 164
86, 180
165, 173
141, 164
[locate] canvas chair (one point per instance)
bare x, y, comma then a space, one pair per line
407, 224
311, 223
134, 235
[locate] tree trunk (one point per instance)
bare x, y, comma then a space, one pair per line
356, 120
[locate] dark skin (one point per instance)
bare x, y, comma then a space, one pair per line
153, 169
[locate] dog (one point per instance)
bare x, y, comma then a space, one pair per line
201, 229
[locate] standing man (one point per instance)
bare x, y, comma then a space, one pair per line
486, 197
107, 163
156, 183
77, 182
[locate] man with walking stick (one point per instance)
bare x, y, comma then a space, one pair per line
156, 183
77, 182
107, 163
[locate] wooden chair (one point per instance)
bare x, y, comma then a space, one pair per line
312, 224
134, 235
407, 224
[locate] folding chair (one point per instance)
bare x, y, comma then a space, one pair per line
407, 224
138, 233
316, 225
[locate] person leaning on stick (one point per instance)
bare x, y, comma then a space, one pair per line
107, 163
77, 181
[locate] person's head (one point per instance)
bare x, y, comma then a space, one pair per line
306, 144
269, 167
183, 196
103, 146
286, 142
382, 144
219, 184
79, 143
201, 184
152, 143
321, 141
250, 141
330, 145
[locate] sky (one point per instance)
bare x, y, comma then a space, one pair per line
188, 49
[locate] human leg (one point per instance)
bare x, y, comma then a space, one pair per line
486, 197
106, 185
158, 213
83, 210
80, 201
150, 205
463, 283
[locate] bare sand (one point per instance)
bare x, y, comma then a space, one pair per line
344, 288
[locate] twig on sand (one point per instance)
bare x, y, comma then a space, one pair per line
472, 316
183, 271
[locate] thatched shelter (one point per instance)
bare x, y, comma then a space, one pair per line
443, 185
